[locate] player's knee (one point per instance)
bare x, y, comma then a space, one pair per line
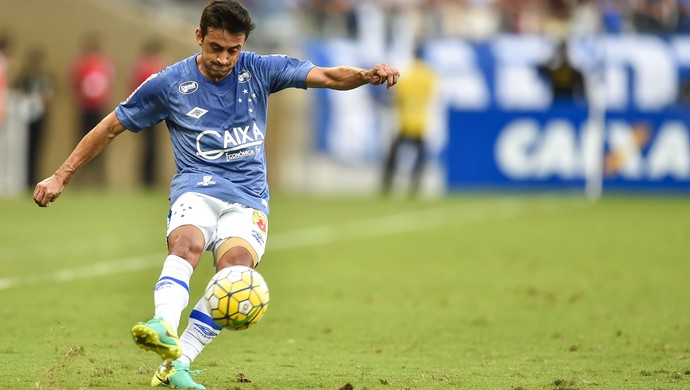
237, 255
235, 251
188, 245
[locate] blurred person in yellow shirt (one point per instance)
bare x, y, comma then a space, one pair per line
412, 102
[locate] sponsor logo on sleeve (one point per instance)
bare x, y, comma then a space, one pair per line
188, 87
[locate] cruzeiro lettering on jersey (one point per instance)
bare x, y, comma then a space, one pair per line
232, 143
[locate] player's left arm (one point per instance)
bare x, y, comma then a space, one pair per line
350, 77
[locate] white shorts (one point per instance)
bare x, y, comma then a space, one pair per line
219, 220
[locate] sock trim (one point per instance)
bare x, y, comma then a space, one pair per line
178, 281
204, 318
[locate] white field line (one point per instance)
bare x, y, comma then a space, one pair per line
91, 271
77, 246
320, 235
386, 226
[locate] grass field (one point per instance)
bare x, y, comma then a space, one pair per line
468, 292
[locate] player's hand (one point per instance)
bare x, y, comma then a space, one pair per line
48, 190
383, 73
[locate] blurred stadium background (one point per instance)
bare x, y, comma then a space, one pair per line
523, 292
497, 124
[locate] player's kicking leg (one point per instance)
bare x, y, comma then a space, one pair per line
171, 295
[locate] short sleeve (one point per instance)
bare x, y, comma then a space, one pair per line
146, 106
283, 71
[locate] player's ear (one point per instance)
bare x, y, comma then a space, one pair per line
199, 37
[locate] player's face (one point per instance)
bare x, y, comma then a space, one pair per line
219, 52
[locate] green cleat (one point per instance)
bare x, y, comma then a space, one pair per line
156, 335
176, 375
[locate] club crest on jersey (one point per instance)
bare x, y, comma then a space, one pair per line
188, 87
244, 76
261, 221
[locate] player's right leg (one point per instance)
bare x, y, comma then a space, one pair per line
191, 225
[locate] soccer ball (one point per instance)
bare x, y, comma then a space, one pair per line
237, 297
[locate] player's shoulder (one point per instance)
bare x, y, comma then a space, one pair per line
173, 75
248, 58
255, 59
182, 69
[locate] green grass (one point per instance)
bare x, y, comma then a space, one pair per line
468, 292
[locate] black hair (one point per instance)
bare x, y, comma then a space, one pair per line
228, 15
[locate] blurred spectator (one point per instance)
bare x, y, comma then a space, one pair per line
684, 92
586, 18
522, 17
481, 18
613, 16
684, 16
281, 24
413, 97
655, 16
37, 86
558, 15
566, 81
334, 17
473, 19
92, 77
149, 62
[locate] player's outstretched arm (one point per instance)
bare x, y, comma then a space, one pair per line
89, 147
350, 77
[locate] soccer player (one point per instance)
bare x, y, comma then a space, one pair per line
215, 107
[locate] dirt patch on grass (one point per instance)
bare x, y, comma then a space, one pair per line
564, 384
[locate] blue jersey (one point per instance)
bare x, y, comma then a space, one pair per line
217, 129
